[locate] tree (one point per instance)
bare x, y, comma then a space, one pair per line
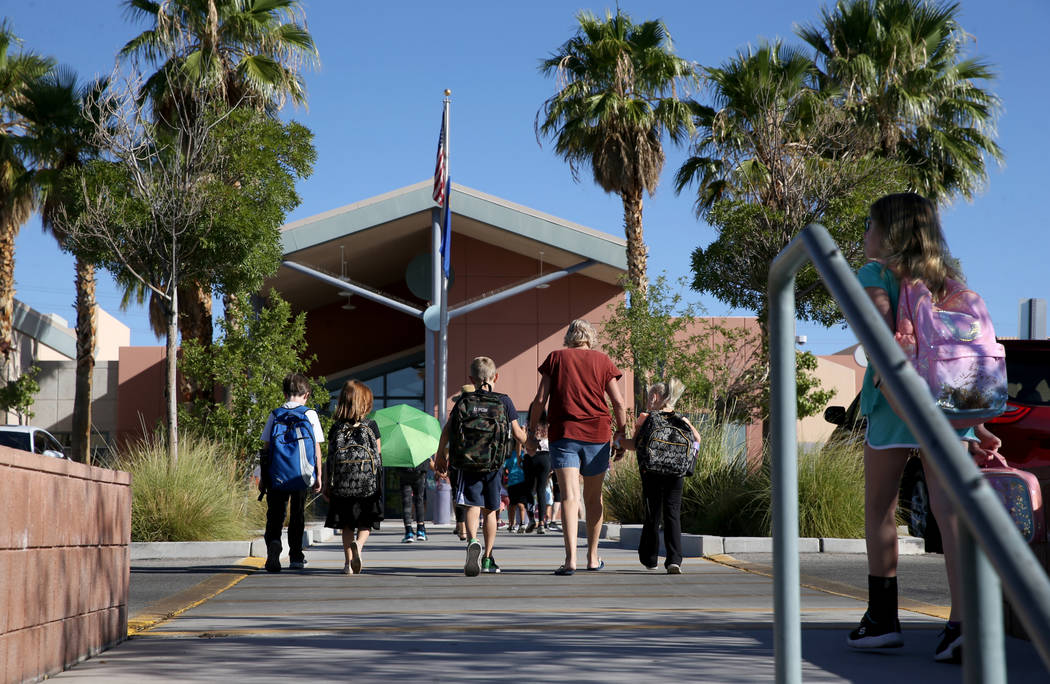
898, 68
253, 354
247, 53
773, 155
162, 208
720, 365
17, 194
620, 88
58, 139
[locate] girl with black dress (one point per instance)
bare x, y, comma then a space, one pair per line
353, 514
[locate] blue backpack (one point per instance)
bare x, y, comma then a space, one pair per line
292, 450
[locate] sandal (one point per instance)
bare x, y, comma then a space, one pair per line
565, 571
601, 564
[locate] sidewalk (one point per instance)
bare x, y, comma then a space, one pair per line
413, 615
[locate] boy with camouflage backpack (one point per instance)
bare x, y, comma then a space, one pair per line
475, 442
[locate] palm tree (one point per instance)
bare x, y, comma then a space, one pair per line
250, 51
59, 139
621, 89
898, 67
749, 144
17, 195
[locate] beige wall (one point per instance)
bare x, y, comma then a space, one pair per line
63, 578
840, 372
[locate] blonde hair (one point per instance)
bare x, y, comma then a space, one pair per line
355, 401
912, 240
483, 369
670, 391
580, 333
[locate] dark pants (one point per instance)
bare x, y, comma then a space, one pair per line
661, 493
413, 500
276, 502
538, 473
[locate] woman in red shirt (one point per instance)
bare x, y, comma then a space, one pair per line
573, 387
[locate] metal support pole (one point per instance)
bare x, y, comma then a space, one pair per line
787, 630
518, 289
984, 659
433, 362
356, 289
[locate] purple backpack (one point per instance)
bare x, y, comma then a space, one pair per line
952, 345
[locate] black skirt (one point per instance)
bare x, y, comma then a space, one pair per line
354, 513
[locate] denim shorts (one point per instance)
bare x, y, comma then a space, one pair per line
592, 458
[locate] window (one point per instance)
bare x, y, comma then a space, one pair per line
391, 384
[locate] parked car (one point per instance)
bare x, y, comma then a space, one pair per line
1024, 429
29, 438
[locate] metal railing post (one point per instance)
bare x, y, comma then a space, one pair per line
984, 659
783, 404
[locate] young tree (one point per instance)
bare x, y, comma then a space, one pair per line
720, 365
246, 53
196, 198
254, 352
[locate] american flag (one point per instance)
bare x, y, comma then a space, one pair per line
441, 168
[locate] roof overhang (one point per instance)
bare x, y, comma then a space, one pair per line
379, 236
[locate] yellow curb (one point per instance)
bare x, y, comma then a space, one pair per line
832, 587
165, 609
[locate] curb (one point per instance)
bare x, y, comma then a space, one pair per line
625, 536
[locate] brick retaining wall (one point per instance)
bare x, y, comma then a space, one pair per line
64, 563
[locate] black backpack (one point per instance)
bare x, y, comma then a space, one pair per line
665, 445
353, 461
479, 434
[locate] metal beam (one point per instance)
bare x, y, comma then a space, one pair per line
518, 289
356, 289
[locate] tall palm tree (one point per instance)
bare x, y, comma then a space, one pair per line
250, 51
59, 139
17, 195
621, 88
900, 69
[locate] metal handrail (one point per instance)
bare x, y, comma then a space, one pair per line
985, 526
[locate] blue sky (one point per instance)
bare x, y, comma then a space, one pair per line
375, 104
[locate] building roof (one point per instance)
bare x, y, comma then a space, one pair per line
47, 329
382, 234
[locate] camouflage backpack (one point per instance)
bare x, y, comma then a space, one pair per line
479, 434
353, 461
665, 445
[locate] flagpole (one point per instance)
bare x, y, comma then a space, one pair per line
442, 397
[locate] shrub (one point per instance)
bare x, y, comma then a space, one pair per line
724, 498
203, 496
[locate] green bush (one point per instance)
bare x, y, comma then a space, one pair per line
203, 496
723, 497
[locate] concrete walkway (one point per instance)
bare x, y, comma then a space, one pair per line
412, 615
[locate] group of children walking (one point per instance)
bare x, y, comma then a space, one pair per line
907, 253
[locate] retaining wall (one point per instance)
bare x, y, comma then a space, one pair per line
64, 563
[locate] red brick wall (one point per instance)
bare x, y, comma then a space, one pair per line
64, 562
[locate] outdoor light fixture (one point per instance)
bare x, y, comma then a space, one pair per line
542, 286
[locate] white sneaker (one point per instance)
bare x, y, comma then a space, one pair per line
674, 569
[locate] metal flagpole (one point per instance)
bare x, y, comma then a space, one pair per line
442, 397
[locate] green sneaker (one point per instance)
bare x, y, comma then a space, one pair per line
473, 567
489, 565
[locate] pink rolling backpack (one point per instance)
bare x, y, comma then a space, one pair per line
951, 343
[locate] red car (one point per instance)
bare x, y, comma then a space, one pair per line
1025, 427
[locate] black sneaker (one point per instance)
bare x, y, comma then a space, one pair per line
472, 567
871, 634
949, 650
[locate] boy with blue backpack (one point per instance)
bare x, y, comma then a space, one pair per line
291, 467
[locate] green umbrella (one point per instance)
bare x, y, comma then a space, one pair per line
409, 435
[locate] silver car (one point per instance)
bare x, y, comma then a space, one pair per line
29, 438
